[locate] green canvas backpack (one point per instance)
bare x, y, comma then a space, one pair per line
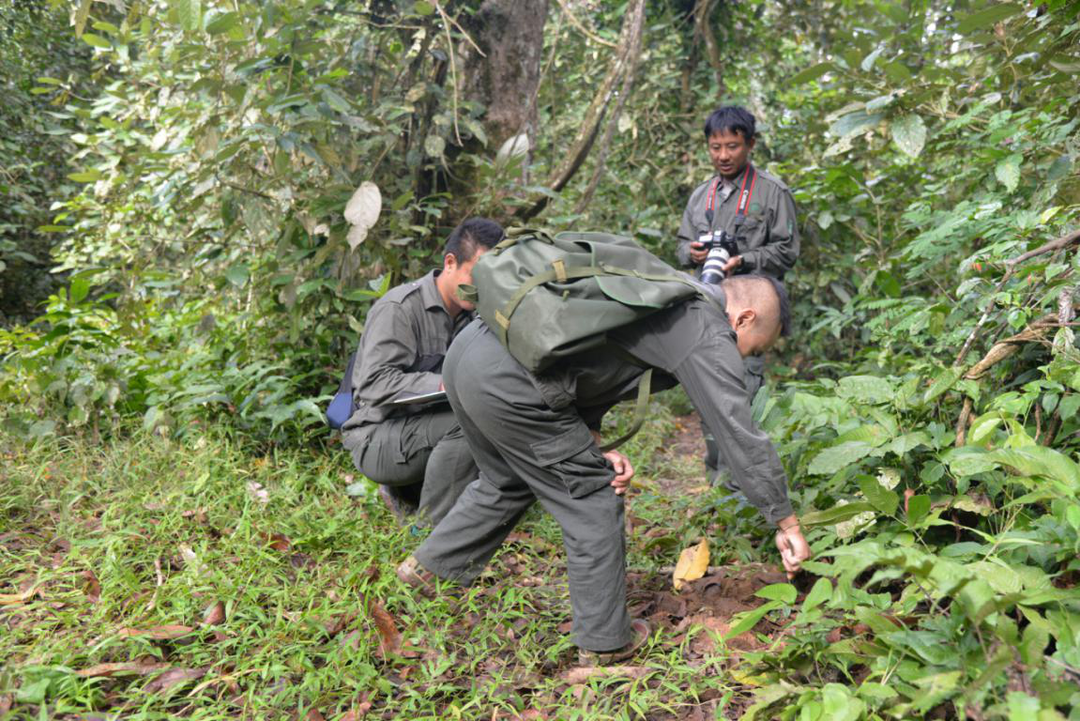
550, 297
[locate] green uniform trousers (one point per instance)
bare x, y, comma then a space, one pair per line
714, 462
527, 451
427, 449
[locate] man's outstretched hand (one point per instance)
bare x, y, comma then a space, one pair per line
793, 547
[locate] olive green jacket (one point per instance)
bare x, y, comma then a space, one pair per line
405, 338
769, 241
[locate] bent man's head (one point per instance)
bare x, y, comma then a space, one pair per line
464, 247
758, 310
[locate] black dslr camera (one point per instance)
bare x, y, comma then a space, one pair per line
722, 248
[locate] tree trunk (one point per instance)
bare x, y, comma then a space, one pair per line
499, 68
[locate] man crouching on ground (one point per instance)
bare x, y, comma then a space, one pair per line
534, 437
416, 453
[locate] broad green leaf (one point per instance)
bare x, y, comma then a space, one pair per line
983, 426
865, 389
909, 134
336, 102
839, 705
783, 592
1007, 171
1022, 707
936, 688
80, 288
189, 13
811, 73
86, 176
1040, 461
423, 8
944, 380
837, 514
746, 620
985, 18
875, 691
82, 13
880, 497
867, 63
238, 274
918, 508
897, 72
96, 41
855, 123
223, 23
831, 460
902, 445
819, 594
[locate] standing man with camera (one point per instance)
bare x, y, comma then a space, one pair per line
742, 220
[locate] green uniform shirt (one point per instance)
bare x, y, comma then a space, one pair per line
693, 345
401, 352
769, 240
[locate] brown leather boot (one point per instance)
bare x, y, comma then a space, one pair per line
411, 573
641, 631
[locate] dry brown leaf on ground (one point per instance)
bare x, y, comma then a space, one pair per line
358, 711
314, 715
7, 700
692, 565
158, 633
582, 674
103, 670
92, 587
24, 596
389, 637
173, 677
214, 614
277, 541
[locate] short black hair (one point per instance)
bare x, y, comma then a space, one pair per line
731, 119
470, 235
785, 305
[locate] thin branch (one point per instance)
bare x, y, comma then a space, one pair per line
633, 23
1010, 268
580, 26
453, 65
634, 53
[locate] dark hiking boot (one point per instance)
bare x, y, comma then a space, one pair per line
641, 632
400, 508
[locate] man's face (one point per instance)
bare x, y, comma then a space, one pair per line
729, 153
461, 273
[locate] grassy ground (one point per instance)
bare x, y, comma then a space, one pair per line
147, 578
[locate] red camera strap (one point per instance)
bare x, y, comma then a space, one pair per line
744, 195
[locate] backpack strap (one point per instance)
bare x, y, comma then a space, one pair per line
640, 408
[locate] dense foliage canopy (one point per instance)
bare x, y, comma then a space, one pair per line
201, 198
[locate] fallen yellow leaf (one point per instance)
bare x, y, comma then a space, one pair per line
692, 565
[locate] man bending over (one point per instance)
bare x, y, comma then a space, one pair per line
535, 437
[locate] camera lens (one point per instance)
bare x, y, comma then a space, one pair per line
713, 269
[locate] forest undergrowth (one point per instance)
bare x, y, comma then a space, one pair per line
183, 275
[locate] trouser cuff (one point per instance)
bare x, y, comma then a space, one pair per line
603, 644
461, 576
